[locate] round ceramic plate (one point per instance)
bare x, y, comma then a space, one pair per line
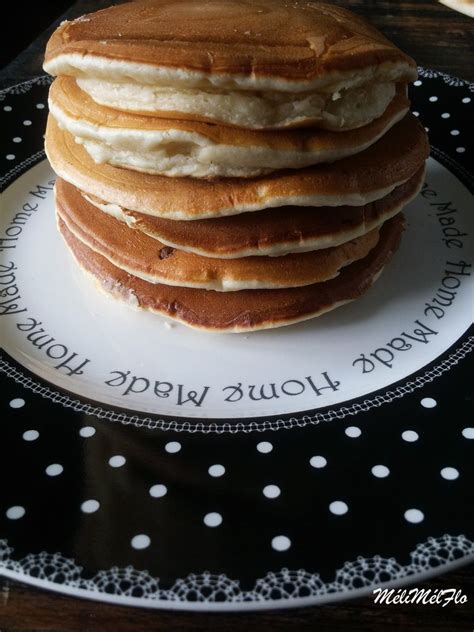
148, 464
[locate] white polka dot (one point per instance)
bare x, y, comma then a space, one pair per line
468, 433
449, 473
353, 432
213, 519
445, 115
380, 471
417, 83
414, 516
87, 431
40, 106
281, 543
415, 113
7, 108
455, 132
90, 506
410, 436
17, 139
117, 460
271, 491
30, 435
140, 541
27, 123
264, 447
216, 470
17, 403
460, 150
428, 402
427, 129
10, 156
55, 469
466, 100
158, 491
433, 99
15, 513
338, 507
318, 461
172, 447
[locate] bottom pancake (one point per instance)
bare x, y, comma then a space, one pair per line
245, 310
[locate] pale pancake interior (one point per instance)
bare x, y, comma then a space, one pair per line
344, 110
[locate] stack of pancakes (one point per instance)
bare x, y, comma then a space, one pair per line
232, 164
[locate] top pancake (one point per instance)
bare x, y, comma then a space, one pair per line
257, 65
254, 44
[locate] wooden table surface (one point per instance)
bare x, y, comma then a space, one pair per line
436, 37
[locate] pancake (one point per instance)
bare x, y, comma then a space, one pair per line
464, 6
244, 311
148, 259
273, 232
249, 63
188, 148
352, 181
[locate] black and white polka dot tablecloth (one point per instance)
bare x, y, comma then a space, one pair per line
308, 513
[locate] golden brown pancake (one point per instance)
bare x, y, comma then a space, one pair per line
150, 260
247, 310
293, 41
272, 232
353, 181
255, 64
178, 148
